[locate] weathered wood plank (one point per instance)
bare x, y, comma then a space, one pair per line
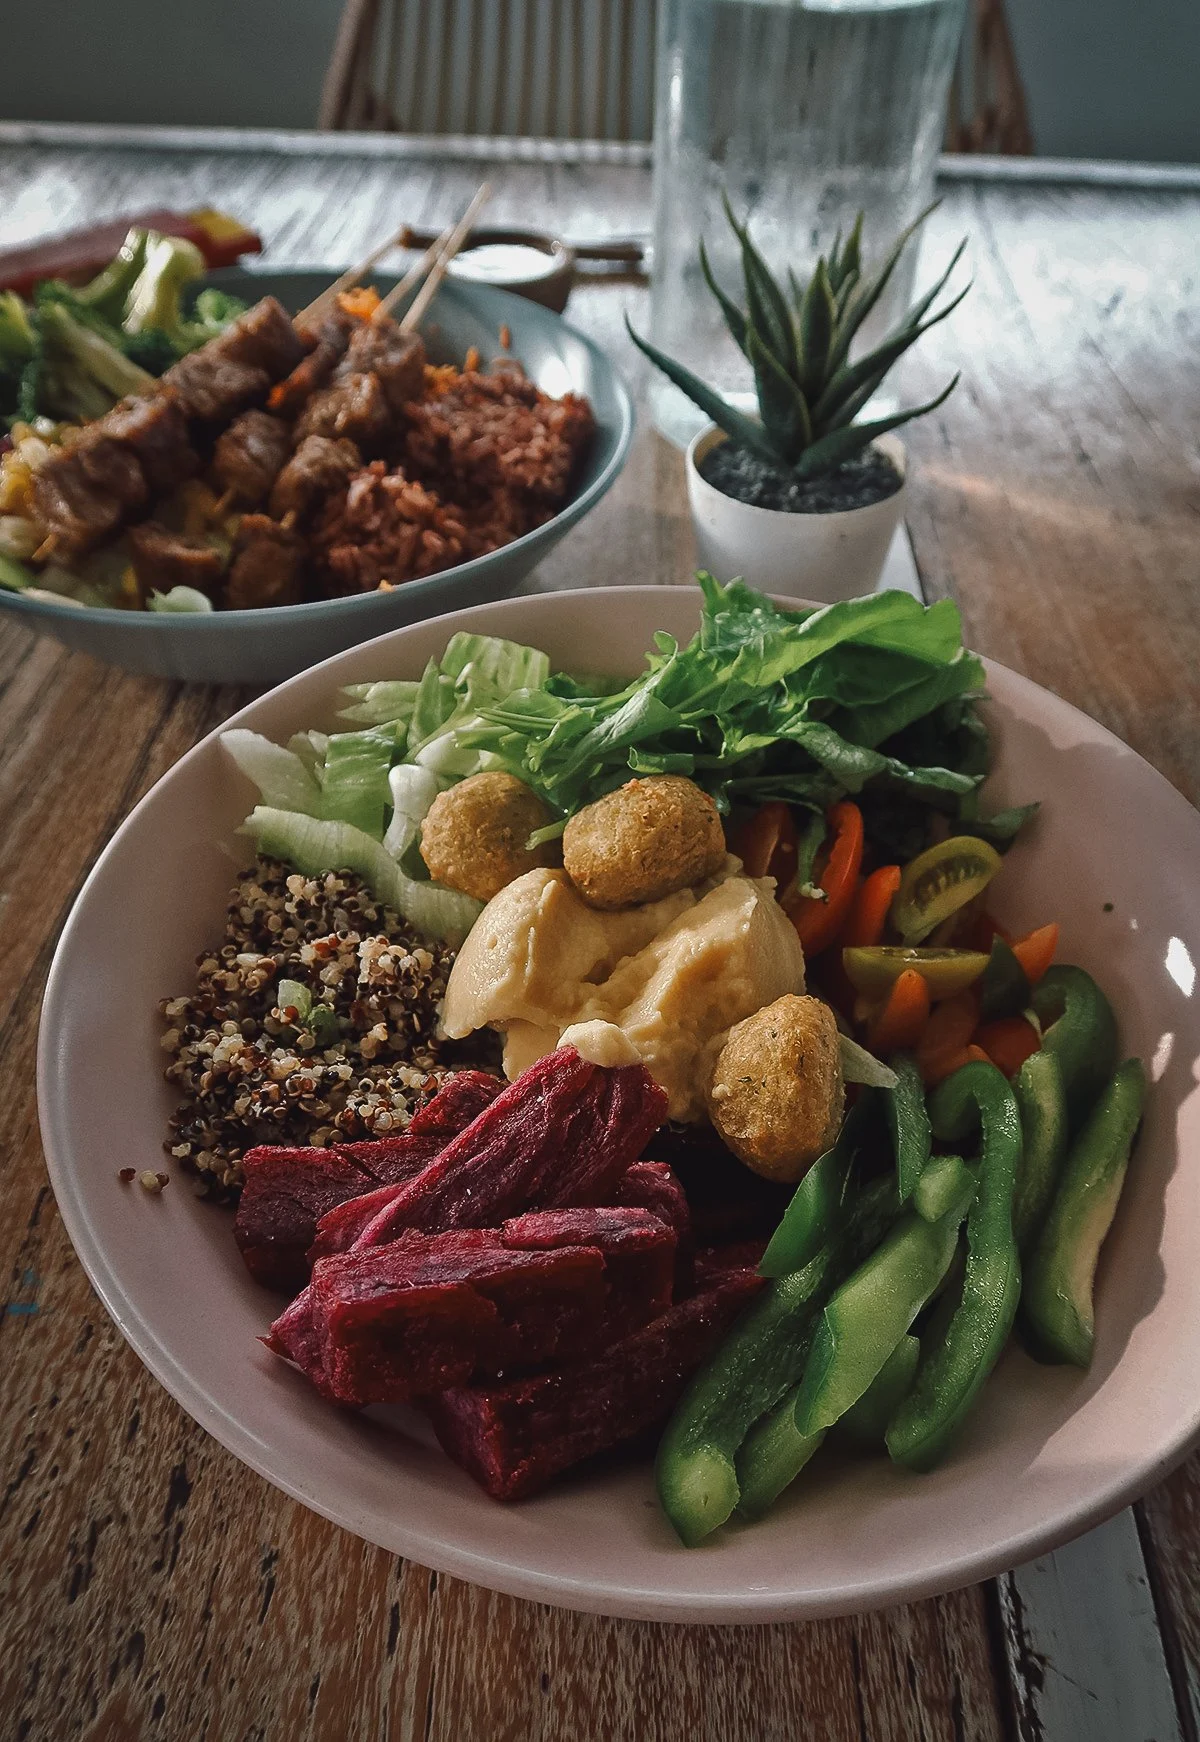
1083, 1645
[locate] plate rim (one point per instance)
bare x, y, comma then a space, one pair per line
633, 1601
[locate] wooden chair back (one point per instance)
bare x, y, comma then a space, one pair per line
565, 69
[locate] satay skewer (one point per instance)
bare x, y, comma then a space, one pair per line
354, 274
454, 242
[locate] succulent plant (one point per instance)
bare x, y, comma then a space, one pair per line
809, 392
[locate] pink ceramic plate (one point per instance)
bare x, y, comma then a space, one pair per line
1047, 1453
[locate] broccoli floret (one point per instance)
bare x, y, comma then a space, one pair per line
156, 299
18, 345
213, 311
84, 375
109, 291
150, 349
155, 303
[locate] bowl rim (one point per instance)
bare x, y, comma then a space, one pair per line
642, 1600
257, 617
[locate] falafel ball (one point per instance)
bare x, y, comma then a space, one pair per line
777, 1095
646, 840
474, 835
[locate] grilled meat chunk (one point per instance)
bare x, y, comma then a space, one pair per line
154, 429
354, 406
378, 347
165, 559
250, 455
328, 341
267, 566
262, 338
82, 495
318, 467
212, 389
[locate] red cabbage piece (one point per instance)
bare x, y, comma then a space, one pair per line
515, 1437
431, 1310
288, 1190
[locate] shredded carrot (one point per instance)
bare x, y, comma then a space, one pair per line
1008, 1042
947, 1035
1035, 952
360, 303
819, 923
900, 1021
471, 360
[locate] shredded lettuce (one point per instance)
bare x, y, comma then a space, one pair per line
861, 1066
413, 790
184, 600
283, 780
380, 704
315, 847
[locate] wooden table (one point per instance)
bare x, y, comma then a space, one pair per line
153, 1587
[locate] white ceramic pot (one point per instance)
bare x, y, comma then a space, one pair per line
808, 556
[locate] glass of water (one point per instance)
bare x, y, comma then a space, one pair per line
804, 112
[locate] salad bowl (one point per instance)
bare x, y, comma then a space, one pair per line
1047, 1453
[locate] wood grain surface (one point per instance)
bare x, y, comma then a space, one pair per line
150, 1586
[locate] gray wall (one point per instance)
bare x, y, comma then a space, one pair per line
1105, 78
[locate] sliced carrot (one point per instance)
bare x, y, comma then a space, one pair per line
1008, 1042
900, 1021
819, 923
869, 911
947, 1035
1036, 951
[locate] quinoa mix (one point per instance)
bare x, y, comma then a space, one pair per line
364, 1060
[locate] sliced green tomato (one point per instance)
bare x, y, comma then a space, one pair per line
938, 882
874, 971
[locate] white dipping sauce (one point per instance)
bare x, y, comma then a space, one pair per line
503, 262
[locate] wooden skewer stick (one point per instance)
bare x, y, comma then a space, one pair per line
353, 274
414, 275
428, 290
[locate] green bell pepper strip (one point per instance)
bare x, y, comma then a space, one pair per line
909, 1124
762, 1357
816, 1205
754, 1366
1042, 1103
1004, 988
960, 1359
779, 1446
945, 1184
772, 1457
865, 1422
1080, 1031
867, 1316
1058, 1306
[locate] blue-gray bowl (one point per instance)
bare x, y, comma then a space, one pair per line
264, 646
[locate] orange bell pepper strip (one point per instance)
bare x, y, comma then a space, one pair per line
819, 923
1008, 1042
899, 1023
871, 906
948, 1033
766, 843
1035, 952
948, 1063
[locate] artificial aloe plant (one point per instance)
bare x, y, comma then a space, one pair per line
809, 392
